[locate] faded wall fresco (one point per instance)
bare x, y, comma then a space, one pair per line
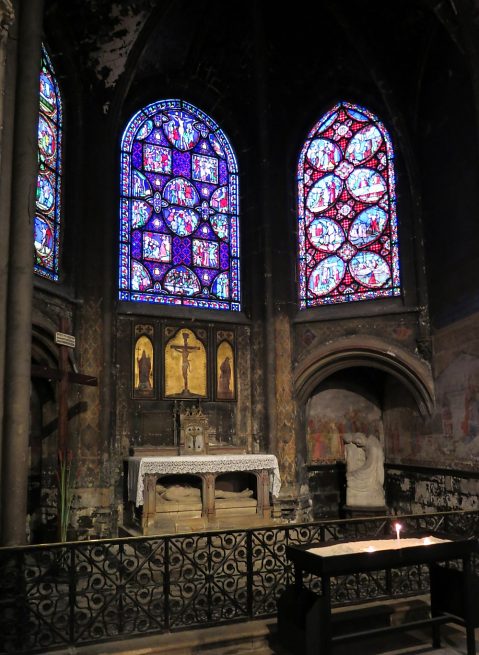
332, 413
450, 438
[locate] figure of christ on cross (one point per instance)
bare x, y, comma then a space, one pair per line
185, 351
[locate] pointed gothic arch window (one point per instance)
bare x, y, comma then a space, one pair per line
347, 231
179, 232
49, 180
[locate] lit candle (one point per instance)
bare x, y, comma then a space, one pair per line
426, 541
398, 527
370, 549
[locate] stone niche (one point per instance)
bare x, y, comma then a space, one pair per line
187, 503
348, 401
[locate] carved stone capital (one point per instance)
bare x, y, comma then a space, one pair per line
7, 15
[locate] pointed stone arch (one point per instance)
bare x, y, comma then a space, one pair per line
347, 352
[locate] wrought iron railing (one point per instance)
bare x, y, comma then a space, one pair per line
53, 596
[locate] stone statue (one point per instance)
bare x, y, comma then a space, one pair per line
179, 493
364, 470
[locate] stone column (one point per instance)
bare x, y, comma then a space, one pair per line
20, 282
266, 218
8, 52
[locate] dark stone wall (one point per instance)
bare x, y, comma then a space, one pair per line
93, 512
397, 328
449, 435
266, 77
327, 487
412, 490
449, 173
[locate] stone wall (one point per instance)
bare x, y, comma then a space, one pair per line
327, 487
412, 490
94, 513
333, 412
450, 436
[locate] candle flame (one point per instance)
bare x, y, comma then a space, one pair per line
426, 541
398, 527
370, 549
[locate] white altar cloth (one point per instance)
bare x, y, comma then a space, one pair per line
138, 467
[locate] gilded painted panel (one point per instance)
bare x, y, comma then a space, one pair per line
185, 366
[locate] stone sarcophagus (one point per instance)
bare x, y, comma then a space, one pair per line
195, 486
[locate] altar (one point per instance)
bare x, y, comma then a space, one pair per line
331, 559
144, 473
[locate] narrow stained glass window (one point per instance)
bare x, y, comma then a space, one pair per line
347, 231
49, 180
179, 238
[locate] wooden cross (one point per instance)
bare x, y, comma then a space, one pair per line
64, 377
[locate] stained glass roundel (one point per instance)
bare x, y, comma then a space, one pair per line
46, 238
179, 233
347, 225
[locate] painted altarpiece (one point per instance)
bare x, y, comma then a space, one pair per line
144, 363
185, 363
225, 366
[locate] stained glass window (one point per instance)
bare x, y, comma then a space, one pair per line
347, 232
49, 180
179, 239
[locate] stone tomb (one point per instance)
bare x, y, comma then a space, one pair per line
233, 494
199, 485
209, 487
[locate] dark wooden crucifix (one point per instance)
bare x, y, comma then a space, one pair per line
64, 377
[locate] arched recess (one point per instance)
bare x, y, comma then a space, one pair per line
371, 352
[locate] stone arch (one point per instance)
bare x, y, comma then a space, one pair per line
373, 352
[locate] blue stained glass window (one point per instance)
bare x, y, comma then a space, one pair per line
49, 179
347, 224
179, 232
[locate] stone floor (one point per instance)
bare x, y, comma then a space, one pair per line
260, 638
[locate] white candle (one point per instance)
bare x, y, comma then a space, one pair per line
398, 527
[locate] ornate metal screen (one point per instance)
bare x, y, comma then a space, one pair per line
85, 592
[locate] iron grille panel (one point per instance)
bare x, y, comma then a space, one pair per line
85, 592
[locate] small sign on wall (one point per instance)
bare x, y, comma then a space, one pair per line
63, 339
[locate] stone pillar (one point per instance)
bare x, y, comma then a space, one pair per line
266, 218
20, 282
285, 405
8, 52
7, 17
